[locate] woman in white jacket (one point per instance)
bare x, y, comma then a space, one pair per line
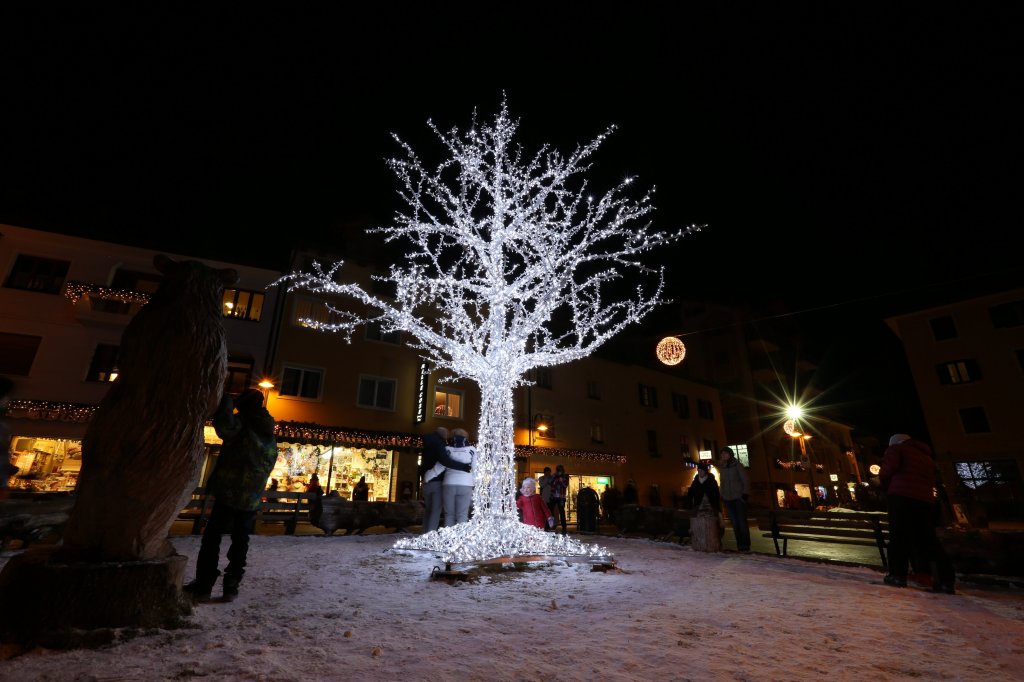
457, 487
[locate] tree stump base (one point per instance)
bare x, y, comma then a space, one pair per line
64, 606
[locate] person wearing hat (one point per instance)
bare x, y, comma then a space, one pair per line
246, 459
908, 478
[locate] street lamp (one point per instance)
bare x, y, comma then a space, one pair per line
265, 386
539, 423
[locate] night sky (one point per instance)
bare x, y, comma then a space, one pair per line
848, 161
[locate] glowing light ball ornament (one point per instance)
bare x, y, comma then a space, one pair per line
790, 428
670, 350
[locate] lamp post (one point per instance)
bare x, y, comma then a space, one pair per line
265, 386
791, 427
538, 424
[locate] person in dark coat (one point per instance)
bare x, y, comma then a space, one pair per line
432, 467
586, 509
706, 501
243, 466
630, 495
361, 491
908, 478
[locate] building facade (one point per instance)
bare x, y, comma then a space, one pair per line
967, 361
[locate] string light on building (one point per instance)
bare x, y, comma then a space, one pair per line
670, 350
76, 291
509, 250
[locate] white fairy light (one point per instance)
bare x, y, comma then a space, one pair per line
504, 252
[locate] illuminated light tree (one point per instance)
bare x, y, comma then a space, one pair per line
512, 261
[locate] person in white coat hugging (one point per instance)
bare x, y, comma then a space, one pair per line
457, 488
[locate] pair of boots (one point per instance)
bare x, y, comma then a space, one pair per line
199, 590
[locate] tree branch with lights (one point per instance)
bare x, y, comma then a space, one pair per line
511, 263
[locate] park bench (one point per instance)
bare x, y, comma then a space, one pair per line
33, 516
277, 506
869, 529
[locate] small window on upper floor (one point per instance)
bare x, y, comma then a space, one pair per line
33, 273
309, 312
943, 328
448, 403
958, 372
705, 410
596, 433
542, 376
17, 353
377, 392
374, 333
104, 363
648, 395
681, 405
652, 443
301, 382
1020, 358
974, 420
1007, 314
593, 390
240, 304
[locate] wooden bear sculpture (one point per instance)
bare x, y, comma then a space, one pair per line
143, 449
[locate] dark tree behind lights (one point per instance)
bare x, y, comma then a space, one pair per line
512, 258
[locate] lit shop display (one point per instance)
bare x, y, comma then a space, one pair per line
45, 464
338, 468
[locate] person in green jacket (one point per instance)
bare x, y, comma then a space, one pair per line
245, 461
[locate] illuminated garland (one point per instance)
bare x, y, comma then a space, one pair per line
527, 451
75, 291
47, 410
798, 466
297, 432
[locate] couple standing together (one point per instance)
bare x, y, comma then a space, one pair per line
447, 476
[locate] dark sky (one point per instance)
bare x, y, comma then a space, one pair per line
835, 154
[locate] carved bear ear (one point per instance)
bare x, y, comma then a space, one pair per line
228, 276
164, 264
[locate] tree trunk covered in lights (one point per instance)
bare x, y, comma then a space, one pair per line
512, 261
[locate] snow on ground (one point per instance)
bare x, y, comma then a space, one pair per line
350, 608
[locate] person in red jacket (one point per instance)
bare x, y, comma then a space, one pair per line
534, 511
908, 478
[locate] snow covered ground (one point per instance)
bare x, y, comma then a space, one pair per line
338, 608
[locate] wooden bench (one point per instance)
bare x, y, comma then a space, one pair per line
869, 529
276, 507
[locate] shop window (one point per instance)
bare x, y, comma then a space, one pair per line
301, 382
104, 363
377, 392
958, 372
974, 420
448, 403
648, 395
45, 464
17, 353
681, 405
652, 443
593, 390
943, 328
309, 312
705, 409
338, 468
32, 273
240, 304
239, 375
374, 333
